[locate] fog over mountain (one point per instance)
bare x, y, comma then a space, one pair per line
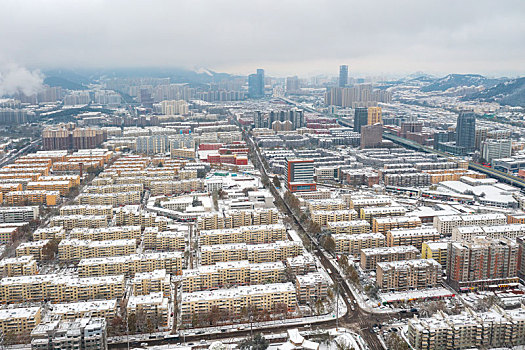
287, 38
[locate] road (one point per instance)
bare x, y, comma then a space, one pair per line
359, 320
26, 149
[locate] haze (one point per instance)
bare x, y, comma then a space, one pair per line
284, 37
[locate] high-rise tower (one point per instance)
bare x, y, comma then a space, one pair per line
343, 75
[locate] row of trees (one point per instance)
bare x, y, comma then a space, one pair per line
217, 316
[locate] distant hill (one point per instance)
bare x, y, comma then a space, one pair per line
457, 80
511, 92
63, 83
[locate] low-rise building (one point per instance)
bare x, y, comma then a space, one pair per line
234, 300
73, 250
34, 248
155, 308
436, 250
129, 265
349, 227
311, 287
19, 322
371, 256
59, 288
254, 253
495, 328
414, 236
352, 244
445, 224
24, 265
82, 334
408, 274
233, 273
385, 224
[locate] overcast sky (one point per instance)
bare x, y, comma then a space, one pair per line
285, 37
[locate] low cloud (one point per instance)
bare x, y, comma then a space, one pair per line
14, 78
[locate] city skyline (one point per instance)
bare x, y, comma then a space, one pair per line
437, 38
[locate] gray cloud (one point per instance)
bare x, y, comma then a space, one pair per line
285, 36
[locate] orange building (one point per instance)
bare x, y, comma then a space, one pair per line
32, 197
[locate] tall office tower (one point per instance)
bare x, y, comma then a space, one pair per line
256, 84
292, 84
371, 136
343, 75
360, 118
374, 116
466, 130
297, 119
300, 175
258, 120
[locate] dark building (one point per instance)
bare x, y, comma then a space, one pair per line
343, 75
256, 84
360, 118
466, 131
371, 136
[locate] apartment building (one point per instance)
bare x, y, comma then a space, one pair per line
371, 256
385, 224
349, 227
55, 232
482, 262
59, 288
232, 273
94, 308
19, 322
106, 210
326, 204
357, 203
151, 282
21, 266
234, 300
83, 333
496, 328
48, 198
73, 250
18, 214
244, 234
135, 215
414, 236
165, 241
436, 250
408, 274
7, 233
445, 224
237, 218
466, 233
176, 187
155, 307
323, 217
302, 264
62, 187
33, 248
129, 265
254, 253
106, 233
114, 188
69, 222
352, 244
369, 213
113, 199
311, 287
